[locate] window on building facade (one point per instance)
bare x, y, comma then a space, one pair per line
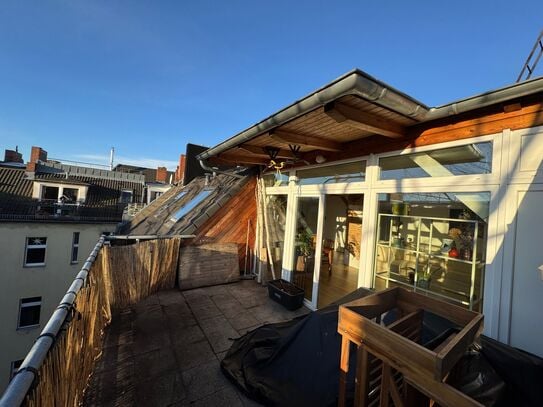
29, 312
15, 365
126, 196
75, 247
35, 251
461, 160
70, 194
49, 192
331, 174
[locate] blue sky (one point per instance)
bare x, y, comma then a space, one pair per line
147, 77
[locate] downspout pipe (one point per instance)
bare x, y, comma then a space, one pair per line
21, 383
206, 167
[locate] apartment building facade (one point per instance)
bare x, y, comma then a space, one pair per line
51, 216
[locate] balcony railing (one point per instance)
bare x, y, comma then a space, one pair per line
59, 211
56, 370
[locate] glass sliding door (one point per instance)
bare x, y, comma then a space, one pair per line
340, 249
276, 206
305, 239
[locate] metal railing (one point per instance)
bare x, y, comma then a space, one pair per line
59, 211
27, 373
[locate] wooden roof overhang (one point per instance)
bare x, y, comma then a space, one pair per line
357, 115
329, 130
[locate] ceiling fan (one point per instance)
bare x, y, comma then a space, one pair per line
278, 165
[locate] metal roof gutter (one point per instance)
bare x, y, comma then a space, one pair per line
504, 94
356, 82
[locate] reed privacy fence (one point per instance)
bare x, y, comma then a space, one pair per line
56, 370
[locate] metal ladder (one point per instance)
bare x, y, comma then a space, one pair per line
532, 60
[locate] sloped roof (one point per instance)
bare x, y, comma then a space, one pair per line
158, 217
14, 182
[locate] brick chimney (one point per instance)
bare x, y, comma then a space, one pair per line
180, 171
161, 174
37, 154
11, 156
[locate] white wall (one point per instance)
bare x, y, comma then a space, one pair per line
49, 282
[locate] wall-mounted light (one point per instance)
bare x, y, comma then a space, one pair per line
320, 159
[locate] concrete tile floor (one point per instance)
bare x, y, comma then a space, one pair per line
166, 350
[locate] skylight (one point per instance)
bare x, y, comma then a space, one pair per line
190, 205
179, 196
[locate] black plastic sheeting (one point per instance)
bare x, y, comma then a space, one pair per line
296, 363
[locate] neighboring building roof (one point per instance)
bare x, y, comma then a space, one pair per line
101, 203
200, 199
148, 173
14, 182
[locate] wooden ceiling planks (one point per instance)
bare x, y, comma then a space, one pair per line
317, 131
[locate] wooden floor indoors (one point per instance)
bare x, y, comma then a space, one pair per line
336, 284
332, 285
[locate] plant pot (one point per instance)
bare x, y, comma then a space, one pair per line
423, 283
285, 293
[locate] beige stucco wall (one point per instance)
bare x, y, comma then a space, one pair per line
49, 282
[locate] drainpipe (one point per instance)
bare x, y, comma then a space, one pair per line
217, 171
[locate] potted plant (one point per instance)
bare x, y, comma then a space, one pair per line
304, 248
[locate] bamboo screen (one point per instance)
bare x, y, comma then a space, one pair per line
119, 277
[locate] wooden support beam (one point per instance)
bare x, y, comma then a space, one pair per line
343, 113
242, 159
261, 152
305, 141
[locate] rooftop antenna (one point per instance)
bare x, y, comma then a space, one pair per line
532, 60
111, 155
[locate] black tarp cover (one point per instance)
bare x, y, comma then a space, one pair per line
296, 363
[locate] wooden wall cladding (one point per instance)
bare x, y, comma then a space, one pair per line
208, 264
494, 119
232, 222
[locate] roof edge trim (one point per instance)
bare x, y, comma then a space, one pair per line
355, 82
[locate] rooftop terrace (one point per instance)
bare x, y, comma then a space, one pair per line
166, 349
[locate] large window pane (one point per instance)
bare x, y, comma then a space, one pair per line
462, 160
276, 206
348, 172
304, 241
340, 258
433, 243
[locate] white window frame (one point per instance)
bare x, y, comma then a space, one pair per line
39, 185
372, 186
473, 179
75, 246
32, 247
27, 305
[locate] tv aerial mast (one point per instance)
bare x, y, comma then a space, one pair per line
532, 60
